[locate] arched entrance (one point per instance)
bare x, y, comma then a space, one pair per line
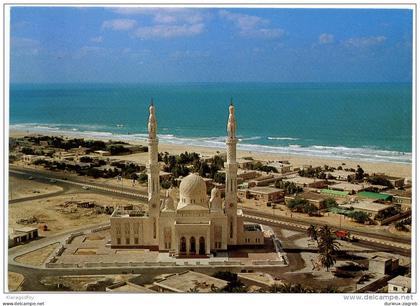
183, 246
202, 247
192, 246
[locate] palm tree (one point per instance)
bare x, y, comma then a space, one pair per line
327, 247
312, 232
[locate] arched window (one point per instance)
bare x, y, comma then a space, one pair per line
192, 246
202, 246
231, 228
183, 246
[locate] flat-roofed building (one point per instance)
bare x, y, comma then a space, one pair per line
345, 186
29, 158
314, 198
281, 167
371, 208
245, 164
399, 284
189, 281
374, 196
102, 153
401, 198
396, 182
341, 175
263, 180
262, 194
248, 174
128, 287
22, 235
334, 193
383, 265
303, 182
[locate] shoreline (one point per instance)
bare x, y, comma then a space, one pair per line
296, 160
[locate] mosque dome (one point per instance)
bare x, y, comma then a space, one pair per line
192, 191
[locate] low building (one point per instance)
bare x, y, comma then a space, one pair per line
371, 208
334, 193
349, 187
189, 281
257, 279
22, 235
374, 196
263, 180
399, 284
303, 182
102, 153
262, 194
248, 174
128, 287
314, 198
342, 175
281, 167
28, 158
401, 198
383, 265
245, 164
396, 182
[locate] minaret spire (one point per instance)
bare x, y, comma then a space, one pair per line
153, 186
152, 125
231, 177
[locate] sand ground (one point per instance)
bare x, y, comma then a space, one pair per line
51, 211
15, 281
19, 189
37, 257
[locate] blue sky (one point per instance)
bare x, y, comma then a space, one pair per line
129, 44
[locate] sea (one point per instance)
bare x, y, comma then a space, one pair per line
362, 121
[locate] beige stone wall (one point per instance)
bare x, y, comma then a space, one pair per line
132, 231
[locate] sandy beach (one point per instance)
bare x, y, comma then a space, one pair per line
393, 169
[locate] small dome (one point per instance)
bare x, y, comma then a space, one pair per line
192, 191
168, 202
215, 200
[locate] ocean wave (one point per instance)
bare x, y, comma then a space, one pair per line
336, 152
282, 138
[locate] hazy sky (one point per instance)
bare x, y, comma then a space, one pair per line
215, 44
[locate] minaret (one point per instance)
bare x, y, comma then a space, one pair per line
153, 187
231, 181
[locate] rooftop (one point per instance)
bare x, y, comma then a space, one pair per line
402, 281
310, 195
125, 213
183, 282
374, 195
399, 193
369, 206
129, 287
334, 192
348, 186
302, 180
265, 189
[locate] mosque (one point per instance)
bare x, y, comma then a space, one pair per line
195, 225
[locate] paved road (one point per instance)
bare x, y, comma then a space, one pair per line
64, 188
304, 223
96, 187
377, 245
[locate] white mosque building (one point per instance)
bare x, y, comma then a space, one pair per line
193, 226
